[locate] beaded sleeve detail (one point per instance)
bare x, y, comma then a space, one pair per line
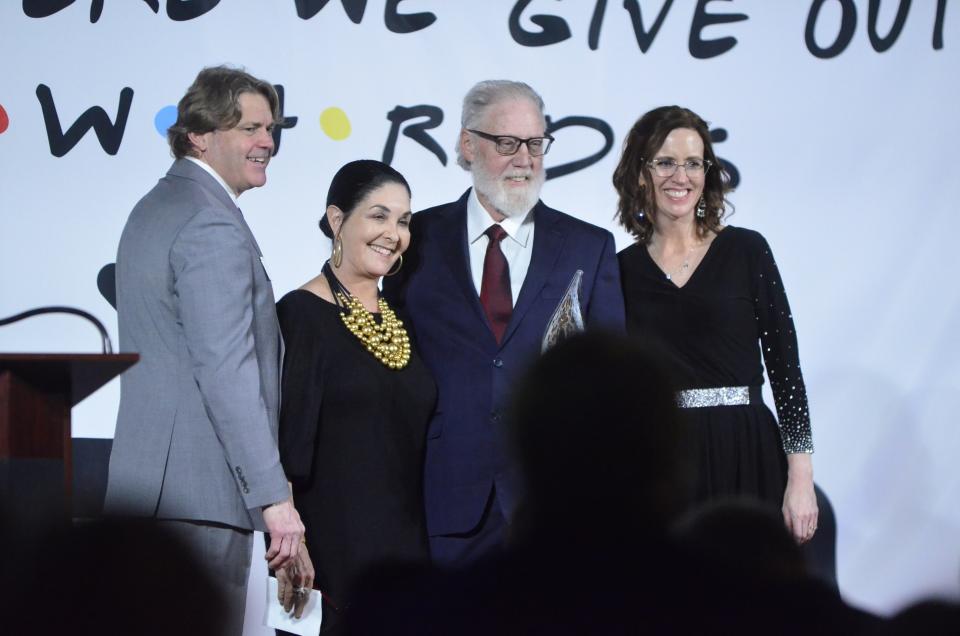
778, 340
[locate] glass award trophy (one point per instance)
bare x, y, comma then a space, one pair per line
567, 319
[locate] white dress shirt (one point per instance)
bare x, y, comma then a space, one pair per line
216, 176
517, 246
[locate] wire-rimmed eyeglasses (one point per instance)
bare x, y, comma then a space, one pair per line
668, 167
510, 145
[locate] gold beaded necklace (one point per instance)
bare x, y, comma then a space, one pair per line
387, 340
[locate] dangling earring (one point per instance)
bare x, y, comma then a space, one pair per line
337, 255
701, 208
639, 214
397, 269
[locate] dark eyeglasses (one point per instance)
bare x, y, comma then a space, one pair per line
510, 145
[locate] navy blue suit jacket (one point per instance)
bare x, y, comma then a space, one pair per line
466, 446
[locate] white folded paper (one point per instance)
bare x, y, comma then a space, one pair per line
278, 618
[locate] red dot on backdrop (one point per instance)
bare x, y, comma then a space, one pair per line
4, 120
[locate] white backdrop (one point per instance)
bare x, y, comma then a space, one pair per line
847, 157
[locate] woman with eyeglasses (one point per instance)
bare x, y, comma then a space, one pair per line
709, 297
355, 397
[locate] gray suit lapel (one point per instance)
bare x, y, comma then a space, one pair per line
186, 169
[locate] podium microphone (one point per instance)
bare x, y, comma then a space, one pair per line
106, 345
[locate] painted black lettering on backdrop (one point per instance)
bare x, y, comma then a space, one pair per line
848, 25
938, 25
592, 123
306, 9
554, 29
704, 49
881, 44
178, 10
405, 22
46, 8
109, 134
417, 132
434, 116
287, 121
183, 10
644, 38
396, 22
718, 135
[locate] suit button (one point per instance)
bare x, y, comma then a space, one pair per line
497, 362
494, 416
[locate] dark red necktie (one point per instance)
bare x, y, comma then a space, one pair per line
495, 294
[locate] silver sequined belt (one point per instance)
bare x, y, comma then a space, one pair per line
719, 396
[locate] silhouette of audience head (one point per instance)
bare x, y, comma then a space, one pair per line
598, 440
929, 618
743, 537
606, 461
107, 577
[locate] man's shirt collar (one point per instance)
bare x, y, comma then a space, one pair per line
478, 220
216, 176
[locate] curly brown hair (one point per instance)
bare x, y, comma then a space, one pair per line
636, 209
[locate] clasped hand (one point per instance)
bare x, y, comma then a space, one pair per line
295, 582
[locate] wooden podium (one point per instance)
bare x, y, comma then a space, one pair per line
37, 392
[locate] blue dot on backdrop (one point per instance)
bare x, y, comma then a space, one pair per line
166, 117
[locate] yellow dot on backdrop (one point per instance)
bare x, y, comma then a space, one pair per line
334, 122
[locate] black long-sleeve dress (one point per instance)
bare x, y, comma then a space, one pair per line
711, 333
352, 441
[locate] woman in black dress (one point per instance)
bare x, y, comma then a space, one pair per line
355, 399
710, 298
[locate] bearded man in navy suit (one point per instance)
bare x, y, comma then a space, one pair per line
483, 277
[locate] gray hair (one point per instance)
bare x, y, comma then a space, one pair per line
485, 94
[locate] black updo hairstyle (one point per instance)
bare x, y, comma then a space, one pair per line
353, 182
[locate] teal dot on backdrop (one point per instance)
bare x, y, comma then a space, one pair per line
166, 117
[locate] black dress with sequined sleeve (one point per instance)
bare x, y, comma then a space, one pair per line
352, 442
712, 333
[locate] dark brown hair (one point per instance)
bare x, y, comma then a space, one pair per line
636, 209
213, 103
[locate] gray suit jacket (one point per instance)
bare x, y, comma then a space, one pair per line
196, 433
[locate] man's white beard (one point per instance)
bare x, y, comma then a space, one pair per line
509, 201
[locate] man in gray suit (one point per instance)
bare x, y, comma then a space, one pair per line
196, 437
